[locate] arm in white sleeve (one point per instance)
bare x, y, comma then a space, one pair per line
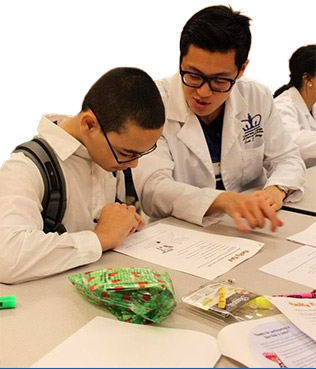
282, 161
161, 195
304, 138
26, 252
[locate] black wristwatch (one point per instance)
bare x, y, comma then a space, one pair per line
284, 189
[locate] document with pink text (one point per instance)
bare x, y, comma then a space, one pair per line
300, 311
198, 253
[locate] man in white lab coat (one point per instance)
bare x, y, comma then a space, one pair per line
222, 134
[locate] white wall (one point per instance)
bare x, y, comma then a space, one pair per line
53, 51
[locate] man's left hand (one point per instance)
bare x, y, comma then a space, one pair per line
273, 195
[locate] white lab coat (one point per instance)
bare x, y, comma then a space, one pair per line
178, 178
299, 122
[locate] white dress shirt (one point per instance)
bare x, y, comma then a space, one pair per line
26, 252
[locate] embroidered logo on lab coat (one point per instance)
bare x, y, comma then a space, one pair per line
252, 128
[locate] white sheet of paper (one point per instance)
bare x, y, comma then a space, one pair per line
107, 343
202, 254
301, 312
306, 237
298, 266
272, 342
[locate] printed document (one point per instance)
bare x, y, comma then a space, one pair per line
298, 266
307, 237
301, 312
272, 342
199, 253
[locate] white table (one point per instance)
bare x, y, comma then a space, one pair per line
50, 310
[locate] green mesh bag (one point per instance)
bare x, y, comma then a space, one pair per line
136, 295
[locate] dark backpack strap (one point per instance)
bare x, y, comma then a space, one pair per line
54, 199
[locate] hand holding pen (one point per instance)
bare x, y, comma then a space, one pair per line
116, 222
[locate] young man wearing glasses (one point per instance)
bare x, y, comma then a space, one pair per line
222, 134
121, 119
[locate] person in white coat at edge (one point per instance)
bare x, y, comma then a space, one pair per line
121, 119
296, 102
222, 132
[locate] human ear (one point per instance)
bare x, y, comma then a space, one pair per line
88, 123
307, 79
243, 68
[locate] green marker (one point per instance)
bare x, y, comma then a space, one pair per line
7, 302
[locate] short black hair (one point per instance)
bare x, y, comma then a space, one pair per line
218, 29
302, 61
122, 95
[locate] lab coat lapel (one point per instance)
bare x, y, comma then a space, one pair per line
191, 133
235, 109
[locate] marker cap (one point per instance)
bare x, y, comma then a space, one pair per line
7, 302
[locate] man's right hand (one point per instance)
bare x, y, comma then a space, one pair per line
253, 209
116, 222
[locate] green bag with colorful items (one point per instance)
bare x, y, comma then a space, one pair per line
136, 295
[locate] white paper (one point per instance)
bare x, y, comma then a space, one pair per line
202, 254
107, 343
272, 342
306, 237
298, 266
301, 312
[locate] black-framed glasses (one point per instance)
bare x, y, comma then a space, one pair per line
132, 156
217, 84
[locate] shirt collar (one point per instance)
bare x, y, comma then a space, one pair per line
61, 141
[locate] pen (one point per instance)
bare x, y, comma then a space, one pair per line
307, 295
7, 302
221, 302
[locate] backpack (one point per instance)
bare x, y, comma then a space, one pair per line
54, 200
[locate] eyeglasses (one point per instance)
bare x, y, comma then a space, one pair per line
217, 84
132, 156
